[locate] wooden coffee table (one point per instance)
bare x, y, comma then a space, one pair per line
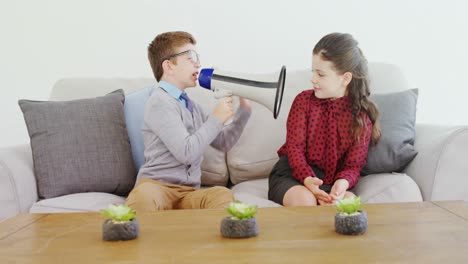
426, 232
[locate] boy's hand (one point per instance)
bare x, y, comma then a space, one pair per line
338, 189
245, 103
313, 183
224, 109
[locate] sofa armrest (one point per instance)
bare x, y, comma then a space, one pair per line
440, 169
17, 183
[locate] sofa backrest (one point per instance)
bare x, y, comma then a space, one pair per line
87, 87
255, 153
384, 78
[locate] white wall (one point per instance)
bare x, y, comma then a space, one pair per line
42, 41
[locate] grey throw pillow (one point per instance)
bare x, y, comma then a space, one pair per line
80, 145
397, 121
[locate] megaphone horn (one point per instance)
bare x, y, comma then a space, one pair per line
240, 84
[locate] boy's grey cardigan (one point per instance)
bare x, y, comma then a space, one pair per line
176, 139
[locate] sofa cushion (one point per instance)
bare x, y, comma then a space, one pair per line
388, 188
134, 109
78, 202
376, 188
254, 192
254, 200
397, 120
80, 145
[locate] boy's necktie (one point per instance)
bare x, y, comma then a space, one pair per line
187, 101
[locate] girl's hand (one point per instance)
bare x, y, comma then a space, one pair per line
338, 189
320, 202
313, 183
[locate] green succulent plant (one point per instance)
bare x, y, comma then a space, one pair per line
119, 213
240, 210
349, 205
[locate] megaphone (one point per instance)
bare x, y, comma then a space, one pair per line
265, 89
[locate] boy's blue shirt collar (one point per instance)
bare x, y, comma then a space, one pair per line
171, 89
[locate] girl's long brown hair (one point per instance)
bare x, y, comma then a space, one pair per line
343, 51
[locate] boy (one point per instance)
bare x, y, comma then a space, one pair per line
176, 132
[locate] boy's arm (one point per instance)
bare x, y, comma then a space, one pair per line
231, 133
165, 121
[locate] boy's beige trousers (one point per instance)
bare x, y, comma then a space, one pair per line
152, 195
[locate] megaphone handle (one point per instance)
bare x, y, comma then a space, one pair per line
220, 93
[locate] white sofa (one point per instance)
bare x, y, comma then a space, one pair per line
437, 173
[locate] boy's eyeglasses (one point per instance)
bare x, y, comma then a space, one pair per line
193, 56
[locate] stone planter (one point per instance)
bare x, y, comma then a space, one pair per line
120, 231
351, 224
233, 228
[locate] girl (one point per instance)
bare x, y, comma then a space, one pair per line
329, 128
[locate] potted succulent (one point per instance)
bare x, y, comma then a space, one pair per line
241, 223
121, 223
350, 219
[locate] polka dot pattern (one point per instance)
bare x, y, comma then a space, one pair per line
319, 134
